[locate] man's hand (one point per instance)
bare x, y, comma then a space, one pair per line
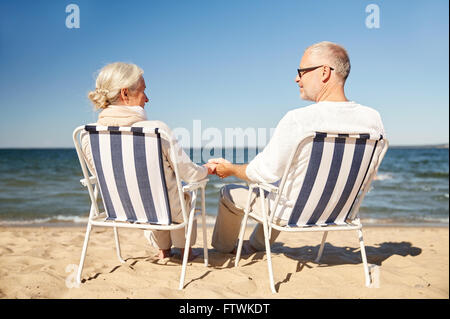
212, 164
224, 169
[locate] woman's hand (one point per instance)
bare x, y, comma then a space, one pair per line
218, 161
211, 168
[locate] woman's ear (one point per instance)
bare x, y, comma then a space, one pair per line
124, 95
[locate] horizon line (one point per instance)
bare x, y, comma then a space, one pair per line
441, 145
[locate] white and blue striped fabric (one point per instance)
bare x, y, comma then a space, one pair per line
337, 169
129, 168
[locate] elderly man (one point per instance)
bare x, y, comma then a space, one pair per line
323, 71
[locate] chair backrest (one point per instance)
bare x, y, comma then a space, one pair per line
339, 171
129, 169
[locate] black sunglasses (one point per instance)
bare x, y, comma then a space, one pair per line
310, 69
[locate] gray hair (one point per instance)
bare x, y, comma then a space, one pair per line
333, 54
111, 79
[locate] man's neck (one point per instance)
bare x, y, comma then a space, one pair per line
333, 93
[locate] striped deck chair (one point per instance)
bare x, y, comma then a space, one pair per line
129, 175
339, 172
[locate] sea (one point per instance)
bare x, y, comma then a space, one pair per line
41, 187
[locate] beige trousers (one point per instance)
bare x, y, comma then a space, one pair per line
233, 199
165, 239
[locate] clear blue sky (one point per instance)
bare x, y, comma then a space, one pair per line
229, 63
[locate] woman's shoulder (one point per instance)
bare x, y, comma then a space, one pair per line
153, 124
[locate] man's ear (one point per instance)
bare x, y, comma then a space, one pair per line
326, 73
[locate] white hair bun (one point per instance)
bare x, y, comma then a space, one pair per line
111, 79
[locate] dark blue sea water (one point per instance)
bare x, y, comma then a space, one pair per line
41, 186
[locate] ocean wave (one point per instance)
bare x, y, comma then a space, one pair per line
61, 219
399, 220
211, 220
220, 185
47, 220
443, 220
18, 183
432, 174
440, 197
68, 195
383, 177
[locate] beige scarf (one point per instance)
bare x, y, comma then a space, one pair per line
119, 115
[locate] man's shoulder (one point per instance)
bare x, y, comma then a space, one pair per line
332, 105
367, 110
365, 106
297, 110
300, 112
328, 112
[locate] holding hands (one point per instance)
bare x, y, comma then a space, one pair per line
219, 166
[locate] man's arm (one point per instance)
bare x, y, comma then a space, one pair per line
268, 166
227, 169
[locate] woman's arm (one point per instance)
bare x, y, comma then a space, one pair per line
187, 170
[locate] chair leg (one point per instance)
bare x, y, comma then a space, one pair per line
269, 259
186, 250
243, 226
83, 252
267, 241
116, 236
319, 255
241, 239
205, 243
364, 259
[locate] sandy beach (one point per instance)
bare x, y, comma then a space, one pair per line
409, 262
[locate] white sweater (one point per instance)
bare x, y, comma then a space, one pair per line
334, 117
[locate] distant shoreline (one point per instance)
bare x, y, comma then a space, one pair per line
210, 224
433, 146
211, 219
440, 146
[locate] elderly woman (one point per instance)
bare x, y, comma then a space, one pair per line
120, 95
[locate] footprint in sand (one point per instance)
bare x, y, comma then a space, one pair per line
242, 284
5, 250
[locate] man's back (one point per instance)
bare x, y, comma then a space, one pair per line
332, 117
337, 117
